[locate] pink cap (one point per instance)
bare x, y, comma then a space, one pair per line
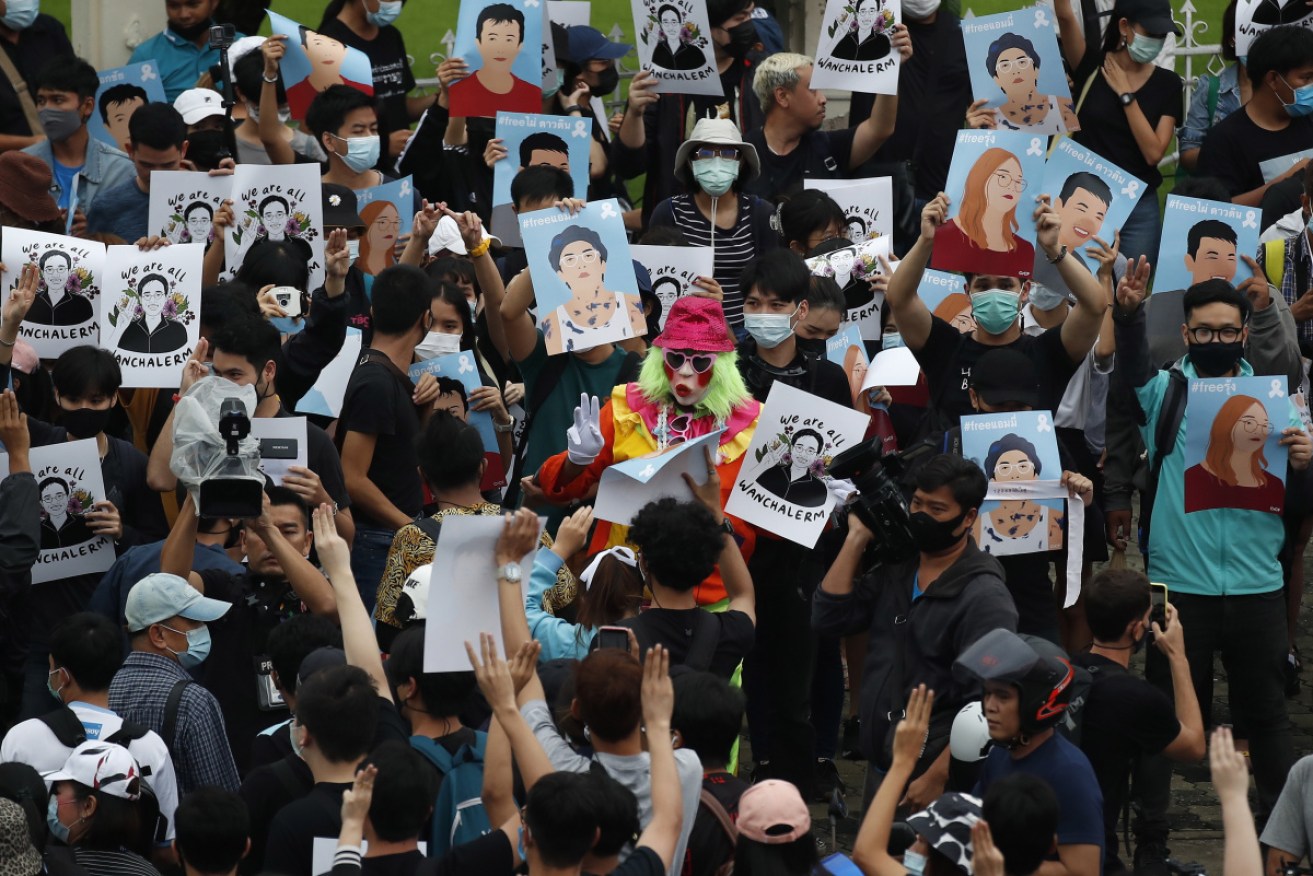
695, 324
773, 812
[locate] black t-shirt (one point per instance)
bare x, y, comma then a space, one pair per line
402, 864
377, 403
265, 791
1124, 717
818, 155
948, 357
1105, 128
290, 848
489, 855
1232, 150
322, 459
39, 44
819, 377
271, 744
673, 627
1027, 579
643, 862
709, 846
393, 79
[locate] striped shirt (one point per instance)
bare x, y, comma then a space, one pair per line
103, 862
734, 247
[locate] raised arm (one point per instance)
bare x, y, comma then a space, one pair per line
871, 134
871, 848
180, 547
1081, 328
658, 697
1241, 854
421, 231
521, 333
519, 537
212, 264
307, 582
14, 310
913, 317
487, 276
500, 682
358, 638
271, 127
733, 570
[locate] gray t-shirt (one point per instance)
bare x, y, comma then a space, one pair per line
302, 144
1292, 818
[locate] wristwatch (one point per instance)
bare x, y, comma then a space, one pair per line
727, 527
1062, 254
1128, 98
510, 573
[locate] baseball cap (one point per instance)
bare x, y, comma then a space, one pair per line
1004, 376
1155, 16
413, 601
447, 236
101, 766
161, 596
196, 104
341, 210
946, 825
773, 812
326, 657
587, 43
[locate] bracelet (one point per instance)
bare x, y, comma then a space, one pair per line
481, 249
4, 343
1062, 254
572, 108
508, 426
273, 81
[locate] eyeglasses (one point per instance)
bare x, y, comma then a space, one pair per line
153, 294
1207, 335
1255, 426
702, 153
574, 260
1007, 180
1025, 467
700, 363
1020, 64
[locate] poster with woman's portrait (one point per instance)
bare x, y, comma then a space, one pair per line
68, 483
1092, 196
993, 181
1233, 455
781, 485
674, 45
501, 42
855, 51
674, 270
867, 204
277, 203
853, 268
1253, 17
183, 204
122, 90
69, 274
388, 211
583, 277
945, 296
1016, 449
1016, 65
314, 62
151, 318
1204, 240
562, 142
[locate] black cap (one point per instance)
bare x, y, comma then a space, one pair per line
1004, 376
1216, 291
340, 210
319, 659
1155, 16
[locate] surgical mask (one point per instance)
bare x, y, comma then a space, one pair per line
54, 691
891, 341
716, 176
1302, 104
607, 80
933, 536
1044, 298
742, 40
253, 113
59, 125
388, 10
1216, 360
85, 422
19, 14
294, 732
58, 829
918, 10
769, 330
288, 325
198, 647
913, 862
361, 152
1143, 49
353, 250
437, 344
994, 310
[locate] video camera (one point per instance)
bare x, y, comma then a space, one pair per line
880, 503
230, 492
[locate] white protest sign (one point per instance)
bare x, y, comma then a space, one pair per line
867, 204
674, 45
627, 486
282, 202
150, 320
674, 270
326, 396
183, 204
70, 276
855, 49
282, 444
892, 367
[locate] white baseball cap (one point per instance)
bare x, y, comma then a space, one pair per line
101, 766
196, 104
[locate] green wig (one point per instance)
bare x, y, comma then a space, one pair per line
725, 392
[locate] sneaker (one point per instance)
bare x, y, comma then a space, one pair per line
1151, 859
850, 746
827, 780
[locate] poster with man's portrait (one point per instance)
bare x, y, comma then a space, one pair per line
314, 62
674, 45
855, 50
183, 204
151, 316
1018, 448
69, 274
122, 90
1253, 17
278, 203
531, 140
583, 277
853, 268
388, 211
867, 204
1233, 453
1015, 64
69, 483
1204, 240
501, 43
674, 270
457, 378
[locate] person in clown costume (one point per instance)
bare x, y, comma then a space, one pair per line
689, 385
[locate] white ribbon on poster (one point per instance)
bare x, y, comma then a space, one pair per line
1075, 540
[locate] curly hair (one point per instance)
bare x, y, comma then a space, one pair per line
679, 540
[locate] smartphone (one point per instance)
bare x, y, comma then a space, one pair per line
288, 298
1158, 605
613, 637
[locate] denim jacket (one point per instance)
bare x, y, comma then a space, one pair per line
105, 168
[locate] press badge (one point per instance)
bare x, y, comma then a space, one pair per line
266, 692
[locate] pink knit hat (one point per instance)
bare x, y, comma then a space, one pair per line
695, 323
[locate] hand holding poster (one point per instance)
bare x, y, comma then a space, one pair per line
501, 43
150, 320
1204, 240
782, 483
183, 204
68, 283
1015, 64
122, 90
563, 142
278, 203
856, 48
458, 384
1016, 447
674, 45
627, 486
674, 270
1233, 452
855, 268
314, 62
867, 204
388, 211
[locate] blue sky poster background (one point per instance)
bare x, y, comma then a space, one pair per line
295, 67
528, 63
979, 432
144, 75
513, 128
1069, 159
1035, 24
460, 366
1182, 214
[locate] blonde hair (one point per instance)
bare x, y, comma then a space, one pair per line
974, 201
780, 70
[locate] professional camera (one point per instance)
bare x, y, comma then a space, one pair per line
222, 36
881, 503
214, 455
230, 492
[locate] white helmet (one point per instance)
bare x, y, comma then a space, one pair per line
969, 740
413, 601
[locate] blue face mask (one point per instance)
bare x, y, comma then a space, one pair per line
19, 14
1302, 104
994, 310
769, 330
57, 828
716, 175
388, 11
361, 152
288, 325
914, 863
1144, 49
54, 691
198, 647
892, 340
1044, 298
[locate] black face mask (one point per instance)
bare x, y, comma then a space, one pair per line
607, 80
1216, 360
742, 40
85, 422
193, 33
933, 536
813, 348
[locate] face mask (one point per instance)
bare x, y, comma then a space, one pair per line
288, 325
742, 40
85, 422
1215, 360
193, 33
198, 647
19, 14
1044, 298
920, 9
769, 330
253, 113
1302, 104
294, 732
716, 175
1144, 49
388, 10
437, 344
59, 125
353, 250
933, 536
913, 862
813, 347
57, 828
994, 310
54, 691
607, 80
361, 152
474, 305
892, 341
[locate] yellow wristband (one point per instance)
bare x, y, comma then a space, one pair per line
482, 248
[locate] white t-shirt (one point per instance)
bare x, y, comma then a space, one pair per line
33, 743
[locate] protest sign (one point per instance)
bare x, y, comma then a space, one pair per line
314, 62
183, 204
1012, 447
562, 142
855, 50
1089, 194
457, 378
1233, 452
278, 203
283, 444
326, 396
625, 487
150, 319
71, 276
867, 204
1015, 63
387, 210
1203, 240
1253, 17
853, 268
674, 45
502, 45
674, 270
122, 90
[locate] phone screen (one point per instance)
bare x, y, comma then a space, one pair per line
1158, 604
613, 637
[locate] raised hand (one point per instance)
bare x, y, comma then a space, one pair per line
336, 256
273, 49
495, 151
933, 214
981, 116
584, 439
1133, 286
331, 547
518, 538
20, 300
642, 91
572, 534
708, 492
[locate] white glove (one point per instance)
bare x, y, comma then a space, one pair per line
842, 489
583, 440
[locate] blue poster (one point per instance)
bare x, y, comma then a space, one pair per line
582, 304
562, 142
314, 62
1203, 240
457, 378
387, 210
945, 296
1089, 194
1009, 447
847, 350
1233, 455
501, 43
993, 182
121, 91
1016, 65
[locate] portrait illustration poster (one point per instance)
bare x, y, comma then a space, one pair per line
674, 45
1233, 455
69, 280
501, 43
183, 204
1204, 240
1016, 448
781, 485
945, 296
1015, 64
856, 50
1253, 17
569, 13
867, 204
1092, 196
329, 391
69, 482
122, 90
457, 377
674, 270
992, 184
150, 319
278, 203
388, 211
583, 276
847, 350
562, 142
853, 268
314, 62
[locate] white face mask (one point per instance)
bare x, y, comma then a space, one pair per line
919, 9
353, 250
437, 344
